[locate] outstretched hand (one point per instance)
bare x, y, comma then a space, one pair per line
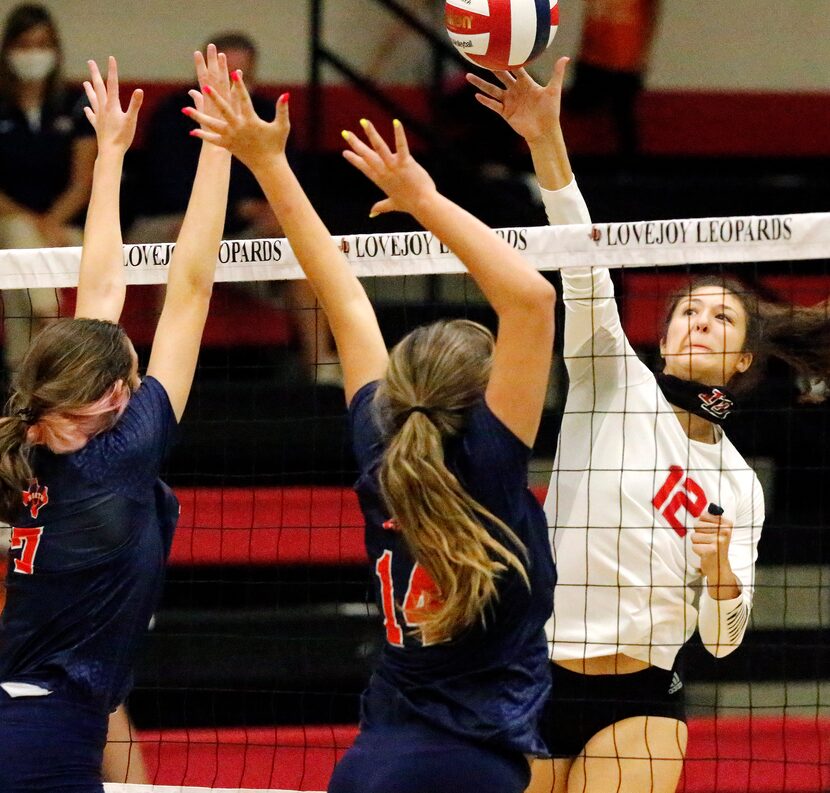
212, 75
532, 110
397, 173
113, 126
229, 120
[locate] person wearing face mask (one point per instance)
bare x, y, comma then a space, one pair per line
47, 151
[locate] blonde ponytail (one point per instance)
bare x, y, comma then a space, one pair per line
435, 374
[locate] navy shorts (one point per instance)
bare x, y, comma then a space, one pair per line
416, 758
50, 745
580, 706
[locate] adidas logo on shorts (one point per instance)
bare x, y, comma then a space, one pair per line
676, 684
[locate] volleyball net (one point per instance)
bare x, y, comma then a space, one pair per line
268, 630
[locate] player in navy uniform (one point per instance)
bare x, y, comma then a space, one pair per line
442, 429
81, 449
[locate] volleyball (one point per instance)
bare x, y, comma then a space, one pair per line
501, 34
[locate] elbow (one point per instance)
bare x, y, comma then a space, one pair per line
540, 302
539, 297
199, 287
533, 307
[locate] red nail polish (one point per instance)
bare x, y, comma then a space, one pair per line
284, 98
206, 89
193, 132
236, 75
187, 110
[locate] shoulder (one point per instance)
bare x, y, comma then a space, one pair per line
363, 399
493, 456
484, 425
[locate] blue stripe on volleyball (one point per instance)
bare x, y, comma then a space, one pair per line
542, 28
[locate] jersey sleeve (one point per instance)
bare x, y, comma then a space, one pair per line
496, 461
367, 437
596, 350
128, 457
723, 623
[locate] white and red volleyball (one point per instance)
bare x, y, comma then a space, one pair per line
501, 34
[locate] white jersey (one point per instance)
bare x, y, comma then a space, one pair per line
627, 487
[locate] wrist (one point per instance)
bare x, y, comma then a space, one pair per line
550, 139
111, 148
723, 584
421, 204
266, 161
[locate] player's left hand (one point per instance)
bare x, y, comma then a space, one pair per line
710, 541
113, 126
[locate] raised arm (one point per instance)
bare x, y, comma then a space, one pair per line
596, 351
102, 283
193, 263
520, 296
261, 146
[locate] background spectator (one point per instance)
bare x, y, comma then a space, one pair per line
613, 57
47, 150
168, 167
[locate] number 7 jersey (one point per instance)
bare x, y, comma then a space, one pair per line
87, 558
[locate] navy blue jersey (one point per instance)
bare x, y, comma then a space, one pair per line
87, 558
488, 684
36, 162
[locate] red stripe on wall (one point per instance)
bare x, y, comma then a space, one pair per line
673, 123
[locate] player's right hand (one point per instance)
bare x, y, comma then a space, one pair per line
531, 110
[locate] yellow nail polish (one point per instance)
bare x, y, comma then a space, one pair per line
345, 135
396, 123
373, 214
364, 123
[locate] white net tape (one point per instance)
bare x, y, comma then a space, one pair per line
643, 244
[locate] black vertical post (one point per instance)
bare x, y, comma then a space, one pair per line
315, 91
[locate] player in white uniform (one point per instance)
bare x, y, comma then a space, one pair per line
655, 516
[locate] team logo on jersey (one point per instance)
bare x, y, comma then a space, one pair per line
35, 498
676, 684
716, 403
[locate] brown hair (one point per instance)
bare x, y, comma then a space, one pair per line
443, 369
797, 335
234, 40
72, 384
19, 21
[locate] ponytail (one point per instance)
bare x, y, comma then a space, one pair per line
435, 374
15, 470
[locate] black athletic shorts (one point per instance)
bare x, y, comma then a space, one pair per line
580, 706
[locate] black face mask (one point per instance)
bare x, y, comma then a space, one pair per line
713, 403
